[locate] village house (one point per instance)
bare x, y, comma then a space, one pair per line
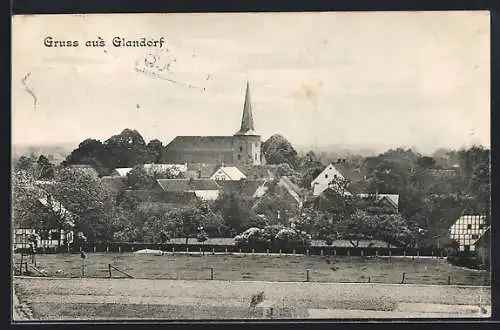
228, 173
326, 180
50, 237
482, 247
467, 230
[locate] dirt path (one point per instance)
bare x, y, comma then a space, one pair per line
320, 298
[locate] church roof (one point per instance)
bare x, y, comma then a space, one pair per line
202, 143
247, 125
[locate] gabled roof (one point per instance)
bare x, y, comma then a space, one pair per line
392, 198
291, 188
184, 185
232, 172
58, 208
328, 169
244, 187
122, 171
152, 196
160, 168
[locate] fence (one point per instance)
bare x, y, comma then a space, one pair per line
231, 248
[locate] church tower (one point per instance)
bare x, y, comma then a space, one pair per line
247, 140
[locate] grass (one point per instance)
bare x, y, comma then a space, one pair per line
262, 268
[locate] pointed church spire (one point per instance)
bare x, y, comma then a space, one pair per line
247, 126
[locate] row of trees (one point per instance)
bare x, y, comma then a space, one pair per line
429, 203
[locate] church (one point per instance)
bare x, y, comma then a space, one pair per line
243, 148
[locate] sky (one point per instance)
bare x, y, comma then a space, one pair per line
377, 79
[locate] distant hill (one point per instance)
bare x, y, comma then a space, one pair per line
55, 152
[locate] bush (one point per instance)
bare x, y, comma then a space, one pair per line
273, 237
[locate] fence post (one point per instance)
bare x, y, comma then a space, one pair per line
449, 279
376, 253
107, 249
173, 249
240, 250
213, 251
226, 250
403, 279
119, 249
307, 275
280, 252
369, 279
109, 270
321, 252
307, 252
293, 251
348, 252
267, 251
211, 273
404, 253
95, 249
441, 254
334, 252
418, 253
390, 253
253, 251
200, 251
21, 264
362, 253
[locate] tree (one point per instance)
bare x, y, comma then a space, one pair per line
426, 162
45, 167
278, 150
90, 152
80, 192
126, 149
235, 209
190, 220
155, 151
140, 178
357, 227
309, 175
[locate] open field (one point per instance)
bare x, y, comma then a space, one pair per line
261, 268
56, 299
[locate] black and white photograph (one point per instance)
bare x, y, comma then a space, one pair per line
251, 166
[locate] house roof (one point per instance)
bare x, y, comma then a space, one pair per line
329, 168
393, 198
58, 208
245, 187
154, 196
292, 188
256, 172
182, 185
232, 172
202, 170
164, 167
122, 171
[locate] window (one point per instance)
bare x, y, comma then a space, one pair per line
255, 156
466, 248
54, 235
481, 226
326, 176
239, 157
241, 149
469, 226
474, 236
